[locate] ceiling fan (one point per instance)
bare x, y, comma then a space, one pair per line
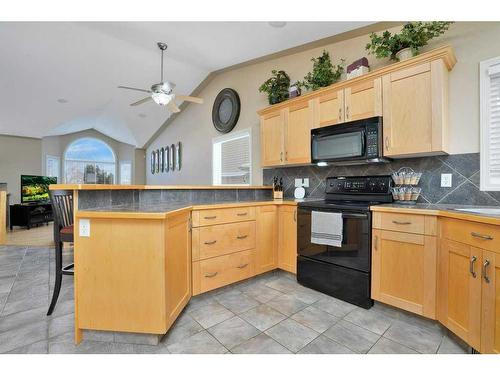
161, 93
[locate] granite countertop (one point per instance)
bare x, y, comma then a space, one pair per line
452, 209
174, 206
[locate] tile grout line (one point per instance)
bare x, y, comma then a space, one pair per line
15, 278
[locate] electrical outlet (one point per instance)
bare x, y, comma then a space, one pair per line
84, 228
306, 182
446, 179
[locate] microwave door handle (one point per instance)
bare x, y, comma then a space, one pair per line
363, 142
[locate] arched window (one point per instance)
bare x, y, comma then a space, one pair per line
89, 161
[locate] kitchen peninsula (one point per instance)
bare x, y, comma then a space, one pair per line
141, 252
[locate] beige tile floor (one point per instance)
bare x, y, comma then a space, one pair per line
268, 314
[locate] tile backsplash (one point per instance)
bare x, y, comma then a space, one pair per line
464, 169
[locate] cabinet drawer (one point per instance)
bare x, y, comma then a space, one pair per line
215, 240
222, 216
213, 273
408, 223
484, 236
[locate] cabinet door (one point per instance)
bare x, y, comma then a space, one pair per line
271, 138
404, 271
490, 319
266, 253
363, 100
287, 247
298, 119
459, 290
329, 109
177, 265
414, 110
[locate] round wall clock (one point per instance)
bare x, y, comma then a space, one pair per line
226, 110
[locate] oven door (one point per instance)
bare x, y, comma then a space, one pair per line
355, 252
337, 145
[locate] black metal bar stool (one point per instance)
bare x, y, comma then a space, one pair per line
62, 207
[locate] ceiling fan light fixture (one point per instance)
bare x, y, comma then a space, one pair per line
161, 98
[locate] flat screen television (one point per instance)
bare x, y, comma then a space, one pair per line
35, 188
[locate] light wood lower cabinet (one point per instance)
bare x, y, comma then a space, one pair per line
266, 253
128, 282
213, 273
459, 286
404, 271
490, 323
287, 246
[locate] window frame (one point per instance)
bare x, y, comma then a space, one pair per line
229, 137
123, 162
115, 162
484, 126
54, 158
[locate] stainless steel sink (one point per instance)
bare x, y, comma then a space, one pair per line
484, 211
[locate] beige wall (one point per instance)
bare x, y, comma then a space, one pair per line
57, 145
472, 41
18, 155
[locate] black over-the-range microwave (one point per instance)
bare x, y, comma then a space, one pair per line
355, 142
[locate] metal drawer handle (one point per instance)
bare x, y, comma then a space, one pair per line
471, 266
242, 237
376, 243
213, 274
210, 242
340, 114
243, 266
387, 143
401, 222
347, 112
210, 217
242, 214
482, 236
485, 271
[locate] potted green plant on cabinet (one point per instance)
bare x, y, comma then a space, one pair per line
407, 43
324, 73
276, 87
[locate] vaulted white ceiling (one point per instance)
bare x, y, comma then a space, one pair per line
83, 63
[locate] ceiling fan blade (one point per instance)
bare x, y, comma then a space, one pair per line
173, 107
133, 88
188, 98
141, 101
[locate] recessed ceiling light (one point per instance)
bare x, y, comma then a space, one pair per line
277, 24
62, 100
142, 115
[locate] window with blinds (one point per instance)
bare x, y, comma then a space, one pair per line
232, 162
490, 124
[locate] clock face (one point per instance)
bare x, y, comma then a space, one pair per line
226, 110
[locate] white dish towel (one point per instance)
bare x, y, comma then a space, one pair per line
326, 228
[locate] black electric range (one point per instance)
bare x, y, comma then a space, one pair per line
342, 272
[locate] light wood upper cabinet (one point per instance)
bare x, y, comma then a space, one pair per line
415, 102
328, 109
490, 322
271, 138
287, 246
266, 254
298, 121
411, 95
459, 306
404, 271
363, 100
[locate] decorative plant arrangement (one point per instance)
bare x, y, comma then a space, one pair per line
407, 43
324, 73
276, 87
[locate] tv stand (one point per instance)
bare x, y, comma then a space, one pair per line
30, 214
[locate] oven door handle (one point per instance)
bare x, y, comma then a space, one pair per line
354, 216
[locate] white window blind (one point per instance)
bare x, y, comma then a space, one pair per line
232, 159
490, 124
52, 166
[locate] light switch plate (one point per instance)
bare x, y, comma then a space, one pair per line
446, 179
84, 228
298, 182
